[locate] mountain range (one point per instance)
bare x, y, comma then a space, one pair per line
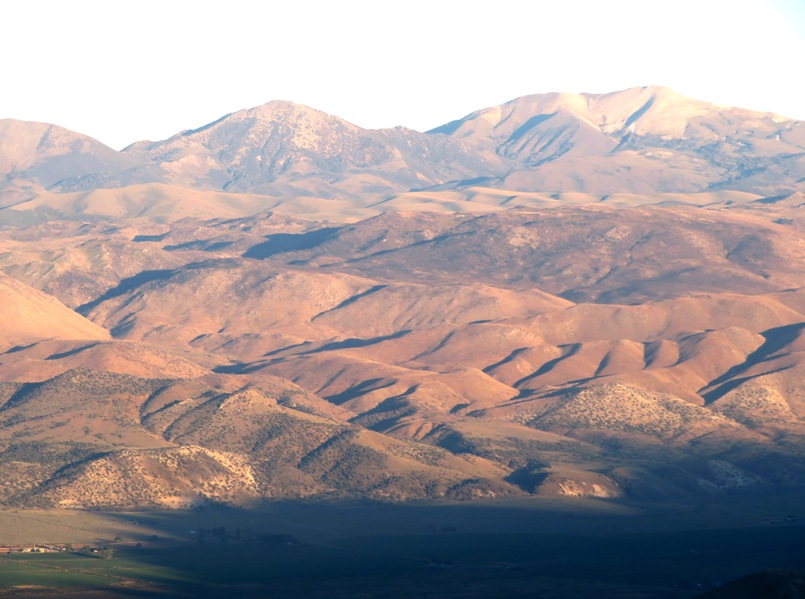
567, 294
638, 141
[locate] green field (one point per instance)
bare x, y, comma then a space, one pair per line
377, 550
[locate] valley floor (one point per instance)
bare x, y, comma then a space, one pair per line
537, 548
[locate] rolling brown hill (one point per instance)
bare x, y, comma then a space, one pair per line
184, 442
568, 294
582, 253
686, 391
34, 316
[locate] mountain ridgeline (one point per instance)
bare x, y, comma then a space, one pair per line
641, 140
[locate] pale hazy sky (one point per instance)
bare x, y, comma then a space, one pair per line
122, 71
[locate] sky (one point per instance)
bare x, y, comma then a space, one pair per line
122, 71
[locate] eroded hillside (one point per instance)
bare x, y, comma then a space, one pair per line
567, 294
647, 352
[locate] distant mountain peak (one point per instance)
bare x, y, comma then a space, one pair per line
255, 125
279, 110
610, 112
46, 153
